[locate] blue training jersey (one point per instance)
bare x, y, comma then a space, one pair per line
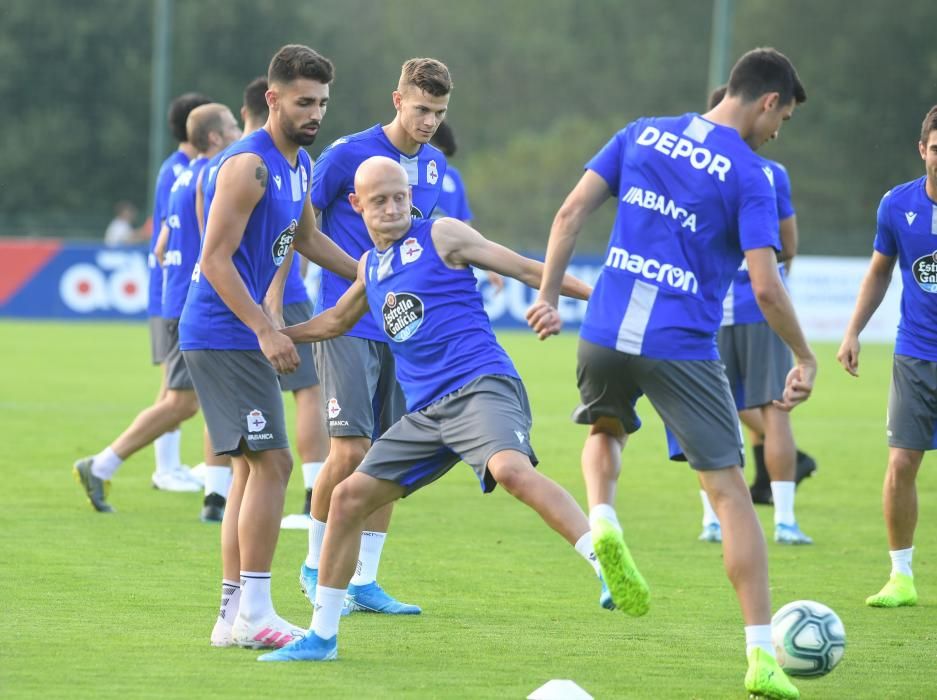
171, 168
740, 307
184, 240
907, 227
453, 199
334, 179
294, 292
692, 195
434, 318
207, 323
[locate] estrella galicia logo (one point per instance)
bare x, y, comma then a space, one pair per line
924, 270
403, 315
281, 246
415, 212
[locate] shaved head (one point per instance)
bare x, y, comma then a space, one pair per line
382, 197
378, 169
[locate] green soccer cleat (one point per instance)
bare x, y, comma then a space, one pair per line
897, 593
95, 489
765, 678
626, 584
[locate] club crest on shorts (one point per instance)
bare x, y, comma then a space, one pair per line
333, 408
255, 421
403, 315
281, 246
924, 270
432, 173
410, 251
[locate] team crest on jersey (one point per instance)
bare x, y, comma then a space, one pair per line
924, 270
255, 421
403, 315
432, 173
281, 246
910, 216
410, 251
333, 408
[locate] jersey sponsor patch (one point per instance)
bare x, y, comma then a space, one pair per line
924, 270
648, 199
651, 269
281, 246
256, 421
403, 315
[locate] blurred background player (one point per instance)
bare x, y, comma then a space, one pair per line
693, 200
906, 230
121, 230
363, 398
757, 362
210, 128
170, 473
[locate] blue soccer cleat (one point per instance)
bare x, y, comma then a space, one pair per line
605, 597
790, 534
308, 578
712, 532
310, 648
372, 598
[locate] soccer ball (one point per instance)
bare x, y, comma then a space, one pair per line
808, 637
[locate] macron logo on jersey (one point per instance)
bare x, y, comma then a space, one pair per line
677, 147
769, 173
278, 181
910, 216
652, 269
646, 199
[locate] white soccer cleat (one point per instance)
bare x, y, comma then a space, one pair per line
221, 634
272, 632
180, 480
198, 473
296, 521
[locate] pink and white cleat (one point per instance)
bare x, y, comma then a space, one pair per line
272, 632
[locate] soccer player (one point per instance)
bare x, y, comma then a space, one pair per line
363, 398
906, 230
232, 348
465, 400
169, 474
757, 362
693, 199
210, 127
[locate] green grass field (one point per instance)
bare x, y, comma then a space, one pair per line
121, 606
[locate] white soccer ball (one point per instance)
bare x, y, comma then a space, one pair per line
808, 637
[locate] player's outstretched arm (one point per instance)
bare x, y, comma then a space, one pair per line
242, 181
775, 304
319, 248
459, 245
871, 292
337, 320
273, 299
789, 240
588, 194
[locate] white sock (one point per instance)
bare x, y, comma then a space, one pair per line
230, 600
310, 472
369, 557
105, 463
217, 480
901, 561
328, 610
758, 636
603, 511
587, 551
783, 493
256, 602
316, 535
166, 447
709, 515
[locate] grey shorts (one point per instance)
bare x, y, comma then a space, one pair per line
912, 404
691, 396
488, 415
757, 362
159, 340
177, 374
240, 400
305, 375
360, 393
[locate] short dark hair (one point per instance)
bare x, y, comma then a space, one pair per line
428, 74
255, 99
766, 70
717, 96
295, 61
179, 110
929, 124
444, 139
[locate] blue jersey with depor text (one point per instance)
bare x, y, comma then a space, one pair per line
907, 227
332, 182
433, 318
184, 241
692, 196
171, 168
207, 323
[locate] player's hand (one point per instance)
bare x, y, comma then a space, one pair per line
799, 384
279, 350
848, 355
159, 250
544, 319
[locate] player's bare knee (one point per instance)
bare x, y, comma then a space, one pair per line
903, 464
610, 428
183, 404
345, 454
347, 502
